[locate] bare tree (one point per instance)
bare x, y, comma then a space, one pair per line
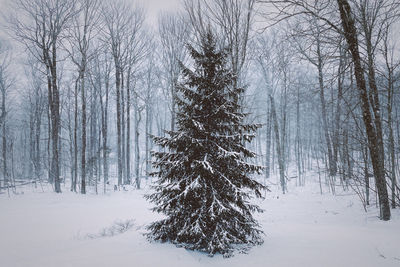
232, 20
137, 48
342, 19
119, 17
374, 130
81, 52
37, 107
100, 77
40, 25
391, 67
5, 85
174, 34
152, 85
312, 45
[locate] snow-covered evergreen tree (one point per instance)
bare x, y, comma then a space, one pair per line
204, 184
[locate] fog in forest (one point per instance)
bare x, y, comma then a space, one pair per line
250, 131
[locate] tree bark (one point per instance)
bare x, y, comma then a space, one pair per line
128, 128
75, 137
373, 134
83, 148
55, 120
278, 146
118, 91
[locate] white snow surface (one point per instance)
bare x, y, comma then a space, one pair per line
302, 228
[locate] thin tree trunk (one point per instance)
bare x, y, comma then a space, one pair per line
75, 137
137, 149
128, 129
71, 140
278, 146
83, 148
123, 129
298, 138
366, 174
390, 96
331, 163
335, 140
4, 139
104, 129
268, 145
148, 133
118, 91
173, 104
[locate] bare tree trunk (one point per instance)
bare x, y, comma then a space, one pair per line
390, 91
278, 146
55, 121
332, 164
137, 148
49, 177
104, 131
93, 138
336, 130
366, 174
374, 134
148, 138
268, 145
71, 140
298, 139
83, 148
75, 137
123, 129
118, 91
173, 106
128, 128
31, 161
283, 140
4, 139
37, 142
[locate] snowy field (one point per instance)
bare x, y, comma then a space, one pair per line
303, 228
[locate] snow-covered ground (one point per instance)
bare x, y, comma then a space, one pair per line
303, 228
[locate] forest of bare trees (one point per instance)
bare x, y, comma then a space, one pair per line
86, 84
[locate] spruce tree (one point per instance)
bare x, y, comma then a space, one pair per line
204, 184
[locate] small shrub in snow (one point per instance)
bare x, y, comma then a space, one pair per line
117, 228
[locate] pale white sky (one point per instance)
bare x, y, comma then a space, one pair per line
153, 7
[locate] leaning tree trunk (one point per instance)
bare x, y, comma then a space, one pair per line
373, 133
